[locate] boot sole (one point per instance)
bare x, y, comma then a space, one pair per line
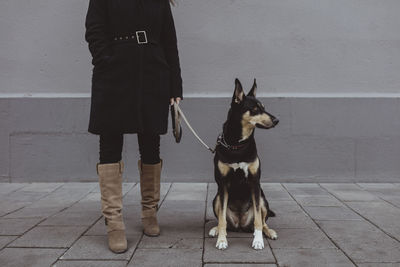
150, 235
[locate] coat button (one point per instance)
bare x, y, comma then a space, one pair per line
126, 37
120, 38
115, 38
133, 36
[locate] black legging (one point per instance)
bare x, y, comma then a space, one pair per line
111, 148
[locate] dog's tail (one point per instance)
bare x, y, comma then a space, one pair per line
271, 213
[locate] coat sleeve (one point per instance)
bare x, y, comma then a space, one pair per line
169, 41
96, 29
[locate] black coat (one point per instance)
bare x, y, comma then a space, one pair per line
132, 83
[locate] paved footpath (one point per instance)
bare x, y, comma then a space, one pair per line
60, 224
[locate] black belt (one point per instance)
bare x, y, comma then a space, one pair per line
139, 36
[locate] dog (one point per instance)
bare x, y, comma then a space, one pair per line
240, 203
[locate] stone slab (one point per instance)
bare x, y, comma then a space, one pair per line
239, 251
17, 226
50, 236
166, 258
77, 263
29, 257
311, 257
349, 192
171, 242
5, 240
301, 238
96, 248
362, 241
332, 213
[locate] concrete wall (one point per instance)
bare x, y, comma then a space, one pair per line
328, 68
291, 46
317, 140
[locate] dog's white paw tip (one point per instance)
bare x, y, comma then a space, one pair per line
213, 232
258, 244
272, 234
222, 245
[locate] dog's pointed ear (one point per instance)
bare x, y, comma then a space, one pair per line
253, 89
238, 94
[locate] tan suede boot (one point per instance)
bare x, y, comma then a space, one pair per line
150, 190
110, 180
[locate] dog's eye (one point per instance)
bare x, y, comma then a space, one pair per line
255, 108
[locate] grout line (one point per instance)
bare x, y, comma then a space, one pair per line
361, 214
31, 203
330, 239
375, 196
141, 236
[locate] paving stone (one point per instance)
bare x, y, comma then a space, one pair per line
374, 264
168, 241
301, 238
6, 188
305, 189
311, 257
349, 192
382, 214
41, 187
26, 196
239, 251
275, 192
388, 192
332, 213
187, 191
289, 215
49, 236
166, 257
17, 226
96, 248
39, 212
29, 257
238, 265
73, 218
7, 206
362, 241
318, 201
66, 263
5, 240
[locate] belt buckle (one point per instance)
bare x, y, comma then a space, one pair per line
138, 39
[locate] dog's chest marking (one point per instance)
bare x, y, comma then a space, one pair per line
242, 165
245, 166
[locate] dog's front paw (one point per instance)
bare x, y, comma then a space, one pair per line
258, 242
272, 234
222, 244
213, 231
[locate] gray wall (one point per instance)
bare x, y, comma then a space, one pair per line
328, 68
291, 46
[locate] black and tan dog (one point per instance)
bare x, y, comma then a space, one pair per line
240, 203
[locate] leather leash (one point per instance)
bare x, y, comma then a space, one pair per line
176, 112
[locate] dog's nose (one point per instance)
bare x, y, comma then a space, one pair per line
275, 121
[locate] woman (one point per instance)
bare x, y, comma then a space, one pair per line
136, 76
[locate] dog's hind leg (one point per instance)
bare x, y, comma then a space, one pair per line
258, 241
270, 233
222, 242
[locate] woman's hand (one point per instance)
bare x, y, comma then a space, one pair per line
172, 100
